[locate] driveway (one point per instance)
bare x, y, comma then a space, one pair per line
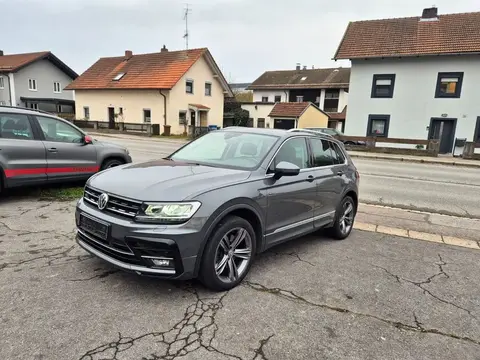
371, 296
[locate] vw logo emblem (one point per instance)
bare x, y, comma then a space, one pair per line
102, 201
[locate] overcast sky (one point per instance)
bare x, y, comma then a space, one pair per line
246, 37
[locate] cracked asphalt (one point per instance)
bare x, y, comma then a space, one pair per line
371, 296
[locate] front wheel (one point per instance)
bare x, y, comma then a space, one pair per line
344, 219
111, 163
228, 254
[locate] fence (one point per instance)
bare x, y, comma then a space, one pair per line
141, 128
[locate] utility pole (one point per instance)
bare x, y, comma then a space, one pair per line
185, 18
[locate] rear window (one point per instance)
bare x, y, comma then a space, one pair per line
15, 126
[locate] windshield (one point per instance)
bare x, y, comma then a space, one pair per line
227, 149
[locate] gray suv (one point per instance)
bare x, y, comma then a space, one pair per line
37, 147
210, 207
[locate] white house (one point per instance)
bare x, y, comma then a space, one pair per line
414, 77
326, 88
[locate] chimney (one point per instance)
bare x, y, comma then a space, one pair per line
430, 13
298, 67
1, 52
128, 54
304, 67
164, 49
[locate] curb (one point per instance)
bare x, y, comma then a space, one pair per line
419, 161
416, 235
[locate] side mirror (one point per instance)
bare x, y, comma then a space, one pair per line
285, 168
87, 140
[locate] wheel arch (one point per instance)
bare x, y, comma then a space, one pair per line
112, 157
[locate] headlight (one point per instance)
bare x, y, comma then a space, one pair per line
168, 212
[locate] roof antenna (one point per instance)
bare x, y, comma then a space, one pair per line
185, 17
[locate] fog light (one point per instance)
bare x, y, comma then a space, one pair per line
162, 262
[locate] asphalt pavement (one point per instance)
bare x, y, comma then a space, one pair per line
440, 189
372, 296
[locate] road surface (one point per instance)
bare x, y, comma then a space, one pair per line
433, 188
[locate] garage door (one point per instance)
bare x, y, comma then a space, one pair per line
284, 124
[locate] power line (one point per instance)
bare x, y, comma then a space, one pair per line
185, 17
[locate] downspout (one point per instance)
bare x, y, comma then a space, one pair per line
164, 108
286, 95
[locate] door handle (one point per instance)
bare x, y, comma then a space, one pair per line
53, 150
340, 173
310, 178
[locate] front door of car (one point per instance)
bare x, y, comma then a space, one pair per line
328, 180
22, 155
68, 158
290, 199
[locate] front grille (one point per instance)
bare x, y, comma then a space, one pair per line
115, 205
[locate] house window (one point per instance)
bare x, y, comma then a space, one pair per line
2, 83
383, 85
278, 98
118, 76
449, 85
57, 87
33, 106
147, 115
265, 99
32, 84
261, 123
331, 100
189, 87
86, 113
182, 117
59, 109
2, 102
208, 89
378, 125
299, 99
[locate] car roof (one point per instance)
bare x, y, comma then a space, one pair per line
277, 132
22, 110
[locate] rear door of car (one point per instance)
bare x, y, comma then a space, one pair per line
340, 169
291, 199
327, 180
68, 157
22, 153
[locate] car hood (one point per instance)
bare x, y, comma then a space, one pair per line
164, 180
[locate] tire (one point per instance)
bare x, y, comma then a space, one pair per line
111, 163
349, 143
219, 262
343, 225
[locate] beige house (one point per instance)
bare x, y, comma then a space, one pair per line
180, 89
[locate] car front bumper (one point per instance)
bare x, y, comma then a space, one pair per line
134, 247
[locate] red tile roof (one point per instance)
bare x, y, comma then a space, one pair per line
14, 62
160, 70
338, 115
290, 109
449, 34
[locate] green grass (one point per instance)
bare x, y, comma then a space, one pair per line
61, 193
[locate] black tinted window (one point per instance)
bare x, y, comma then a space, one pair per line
337, 153
15, 126
293, 151
322, 155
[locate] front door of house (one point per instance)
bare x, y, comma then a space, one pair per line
193, 118
443, 130
111, 118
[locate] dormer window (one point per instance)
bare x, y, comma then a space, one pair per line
303, 78
118, 77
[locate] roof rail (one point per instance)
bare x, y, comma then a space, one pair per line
314, 132
25, 108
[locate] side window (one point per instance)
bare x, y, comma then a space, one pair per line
337, 153
56, 130
322, 155
293, 151
15, 126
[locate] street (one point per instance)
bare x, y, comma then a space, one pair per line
433, 188
371, 296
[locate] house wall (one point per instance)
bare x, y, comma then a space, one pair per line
179, 100
259, 111
312, 118
414, 103
132, 101
4, 93
45, 73
259, 94
342, 101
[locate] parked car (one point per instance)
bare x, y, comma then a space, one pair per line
210, 207
38, 148
337, 133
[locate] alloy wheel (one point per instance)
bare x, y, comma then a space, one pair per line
346, 220
233, 255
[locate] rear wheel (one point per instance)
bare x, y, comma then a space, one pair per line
228, 254
108, 164
344, 219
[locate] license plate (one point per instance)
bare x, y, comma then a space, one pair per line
94, 227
